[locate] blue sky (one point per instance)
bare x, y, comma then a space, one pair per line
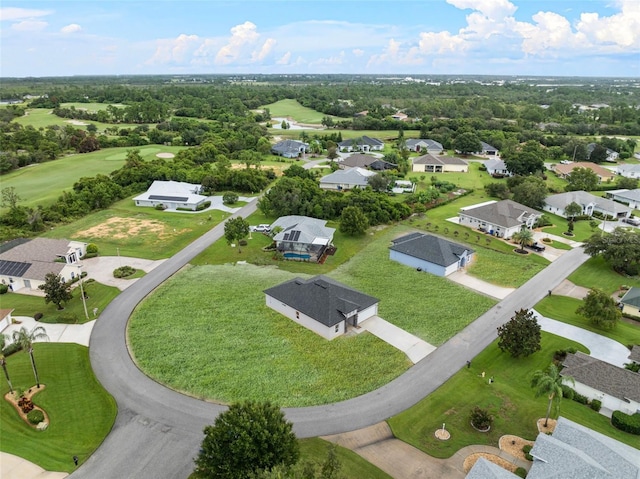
501, 37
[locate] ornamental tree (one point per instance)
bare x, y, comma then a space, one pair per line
600, 309
235, 229
621, 249
521, 335
353, 221
56, 290
248, 438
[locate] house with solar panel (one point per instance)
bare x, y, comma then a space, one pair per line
321, 304
25, 263
301, 238
172, 195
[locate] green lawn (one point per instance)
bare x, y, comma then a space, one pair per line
80, 410
582, 231
137, 231
558, 245
220, 341
506, 269
291, 108
42, 117
43, 183
89, 106
597, 273
99, 297
509, 399
564, 308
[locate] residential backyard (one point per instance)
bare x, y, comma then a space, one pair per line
80, 411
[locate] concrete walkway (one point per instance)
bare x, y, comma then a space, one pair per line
600, 347
57, 332
14, 467
471, 282
414, 347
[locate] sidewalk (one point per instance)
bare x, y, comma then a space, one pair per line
14, 467
57, 332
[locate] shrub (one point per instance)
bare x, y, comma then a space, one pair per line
480, 418
160, 207
229, 198
89, 255
11, 349
543, 221
3, 288
521, 472
527, 449
38, 316
596, 404
626, 423
243, 242
123, 271
577, 397
92, 248
25, 405
567, 392
35, 416
203, 206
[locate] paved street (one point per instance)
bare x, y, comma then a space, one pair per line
158, 431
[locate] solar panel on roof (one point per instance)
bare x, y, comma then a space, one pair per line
295, 235
168, 198
13, 268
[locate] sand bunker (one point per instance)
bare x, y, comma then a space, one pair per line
77, 122
121, 228
165, 155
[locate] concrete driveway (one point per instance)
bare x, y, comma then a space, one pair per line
471, 282
101, 269
415, 348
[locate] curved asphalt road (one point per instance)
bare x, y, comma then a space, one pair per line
158, 431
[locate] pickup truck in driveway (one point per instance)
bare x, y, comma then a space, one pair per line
536, 247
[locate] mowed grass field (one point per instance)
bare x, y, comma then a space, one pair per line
43, 183
81, 412
292, 109
43, 117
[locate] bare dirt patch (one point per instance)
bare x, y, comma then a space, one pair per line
472, 458
513, 445
121, 228
165, 155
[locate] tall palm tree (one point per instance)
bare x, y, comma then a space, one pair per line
549, 383
3, 361
26, 339
524, 237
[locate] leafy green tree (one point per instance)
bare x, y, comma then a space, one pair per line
598, 154
521, 335
229, 198
620, 248
524, 237
572, 210
467, 143
600, 309
332, 153
549, 383
627, 183
248, 438
25, 339
3, 361
531, 191
263, 146
380, 182
56, 289
581, 179
353, 221
527, 160
236, 229
498, 190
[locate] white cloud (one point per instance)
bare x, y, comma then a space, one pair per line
174, 50
284, 59
332, 60
489, 8
267, 46
441, 43
12, 13
71, 28
29, 26
357, 52
241, 35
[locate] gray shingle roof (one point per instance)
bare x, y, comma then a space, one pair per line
321, 298
561, 200
495, 164
430, 248
430, 159
352, 176
635, 353
363, 140
431, 144
631, 297
311, 230
488, 147
484, 469
289, 146
617, 382
38, 257
632, 195
358, 160
628, 169
505, 213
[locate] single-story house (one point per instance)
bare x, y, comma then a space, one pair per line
631, 302
364, 144
172, 195
557, 203
424, 146
400, 116
496, 167
499, 218
403, 186
5, 318
321, 304
366, 161
612, 156
572, 451
346, 179
628, 197
617, 388
290, 148
430, 253
301, 238
439, 164
486, 150
24, 264
628, 171
565, 170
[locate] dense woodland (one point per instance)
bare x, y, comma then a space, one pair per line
531, 121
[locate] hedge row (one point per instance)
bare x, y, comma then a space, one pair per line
626, 423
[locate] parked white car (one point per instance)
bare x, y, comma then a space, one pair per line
261, 228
